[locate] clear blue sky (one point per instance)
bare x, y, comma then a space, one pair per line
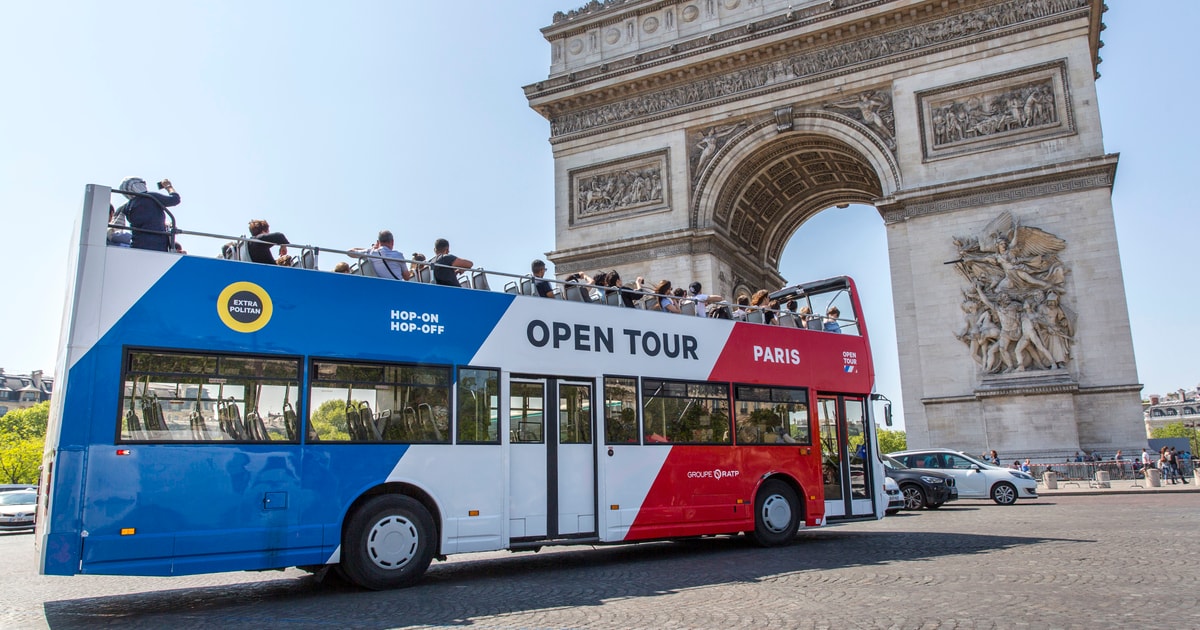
333, 120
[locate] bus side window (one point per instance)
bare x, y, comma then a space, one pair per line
380, 402
190, 397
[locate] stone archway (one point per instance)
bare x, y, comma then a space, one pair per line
693, 137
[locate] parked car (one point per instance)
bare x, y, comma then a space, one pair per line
922, 488
973, 478
17, 508
895, 497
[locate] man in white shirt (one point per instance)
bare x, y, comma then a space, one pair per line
379, 255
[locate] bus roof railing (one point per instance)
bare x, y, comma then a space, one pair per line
522, 284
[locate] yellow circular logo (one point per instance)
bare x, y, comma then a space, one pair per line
244, 307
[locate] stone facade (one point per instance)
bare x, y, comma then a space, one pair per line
949, 117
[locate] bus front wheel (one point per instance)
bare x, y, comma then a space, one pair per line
388, 543
776, 514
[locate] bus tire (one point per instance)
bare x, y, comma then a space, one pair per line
776, 514
388, 543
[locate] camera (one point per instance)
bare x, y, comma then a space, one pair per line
164, 183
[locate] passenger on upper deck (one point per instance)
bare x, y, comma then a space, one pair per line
810, 321
380, 254
761, 301
541, 287
702, 299
666, 301
450, 265
743, 303
147, 214
116, 236
629, 295
831, 320
341, 267
261, 252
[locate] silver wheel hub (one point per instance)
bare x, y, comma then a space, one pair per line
776, 513
392, 542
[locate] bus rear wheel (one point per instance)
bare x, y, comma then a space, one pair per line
776, 514
388, 543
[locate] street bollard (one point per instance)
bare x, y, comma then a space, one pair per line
1154, 477
1050, 479
1102, 479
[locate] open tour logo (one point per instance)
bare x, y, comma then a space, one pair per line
244, 307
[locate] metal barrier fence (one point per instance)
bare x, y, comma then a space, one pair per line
1086, 471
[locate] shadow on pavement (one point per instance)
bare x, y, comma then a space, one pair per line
457, 592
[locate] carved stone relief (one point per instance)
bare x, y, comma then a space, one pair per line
705, 142
1020, 106
872, 108
809, 64
619, 189
1014, 307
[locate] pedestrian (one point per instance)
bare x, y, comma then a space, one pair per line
995, 457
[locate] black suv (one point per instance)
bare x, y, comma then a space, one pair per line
921, 487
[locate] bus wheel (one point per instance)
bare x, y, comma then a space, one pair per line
388, 543
776, 514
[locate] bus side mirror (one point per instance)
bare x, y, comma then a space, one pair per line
887, 414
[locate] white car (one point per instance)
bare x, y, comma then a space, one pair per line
17, 508
974, 479
895, 497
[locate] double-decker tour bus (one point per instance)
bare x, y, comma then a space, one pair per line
217, 415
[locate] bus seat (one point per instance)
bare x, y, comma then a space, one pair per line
575, 293
787, 320
688, 308
367, 268
199, 428
480, 281
613, 298
308, 259
256, 429
425, 274
243, 250
464, 281
511, 287
754, 317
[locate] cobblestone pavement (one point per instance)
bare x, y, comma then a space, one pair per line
1081, 561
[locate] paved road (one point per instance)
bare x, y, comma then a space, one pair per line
1096, 561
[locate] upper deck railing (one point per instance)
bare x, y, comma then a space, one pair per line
811, 300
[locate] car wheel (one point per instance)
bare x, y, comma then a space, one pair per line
914, 497
933, 506
388, 543
776, 514
1004, 493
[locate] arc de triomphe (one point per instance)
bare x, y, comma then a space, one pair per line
692, 138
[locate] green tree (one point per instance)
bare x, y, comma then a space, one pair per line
23, 424
1173, 430
20, 459
329, 420
891, 441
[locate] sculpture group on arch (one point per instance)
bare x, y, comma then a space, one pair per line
1015, 317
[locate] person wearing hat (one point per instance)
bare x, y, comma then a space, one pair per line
147, 214
702, 299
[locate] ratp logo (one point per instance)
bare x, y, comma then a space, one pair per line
244, 307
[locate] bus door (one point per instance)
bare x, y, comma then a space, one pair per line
552, 459
845, 452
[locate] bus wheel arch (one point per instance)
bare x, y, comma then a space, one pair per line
778, 511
